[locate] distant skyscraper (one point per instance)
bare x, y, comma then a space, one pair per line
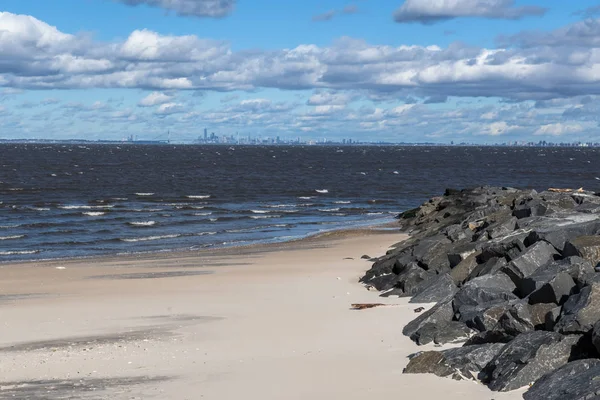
205, 134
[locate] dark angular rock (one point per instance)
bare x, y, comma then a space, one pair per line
540, 313
459, 253
437, 289
502, 228
586, 247
577, 380
442, 333
508, 247
432, 253
489, 267
556, 289
534, 257
489, 337
581, 311
440, 312
526, 359
596, 336
458, 363
457, 233
552, 317
461, 272
486, 289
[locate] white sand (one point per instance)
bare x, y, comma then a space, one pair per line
278, 327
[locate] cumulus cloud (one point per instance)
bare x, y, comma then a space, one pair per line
154, 99
432, 11
190, 8
35, 55
558, 129
170, 108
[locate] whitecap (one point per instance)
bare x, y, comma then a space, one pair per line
396, 172
306, 197
265, 216
12, 253
9, 226
207, 196
142, 223
84, 207
329, 209
144, 194
280, 205
11, 237
147, 238
259, 211
321, 190
202, 214
93, 213
342, 202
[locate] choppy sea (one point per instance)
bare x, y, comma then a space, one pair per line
63, 201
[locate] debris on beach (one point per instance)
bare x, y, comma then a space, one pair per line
364, 306
515, 275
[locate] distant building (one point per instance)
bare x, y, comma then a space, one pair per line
205, 134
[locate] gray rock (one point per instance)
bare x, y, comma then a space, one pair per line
577, 380
596, 336
489, 337
508, 247
440, 312
436, 289
486, 289
586, 247
540, 313
432, 253
556, 289
502, 228
489, 267
461, 272
581, 311
539, 254
526, 359
442, 333
458, 363
459, 253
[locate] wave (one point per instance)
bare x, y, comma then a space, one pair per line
207, 196
342, 202
12, 237
260, 211
279, 205
144, 194
83, 207
202, 214
264, 216
321, 190
148, 238
306, 197
14, 253
9, 226
142, 223
329, 209
93, 213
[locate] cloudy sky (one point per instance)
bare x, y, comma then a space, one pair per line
480, 71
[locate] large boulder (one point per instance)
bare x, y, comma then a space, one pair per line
586, 247
539, 254
439, 313
486, 289
577, 380
581, 311
526, 359
442, 332
436, 289
458, 363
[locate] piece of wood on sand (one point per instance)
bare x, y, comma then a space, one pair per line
364, 306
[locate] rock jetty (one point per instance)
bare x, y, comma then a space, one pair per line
515, 276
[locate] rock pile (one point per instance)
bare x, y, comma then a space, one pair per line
514, 275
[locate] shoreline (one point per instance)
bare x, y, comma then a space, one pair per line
390, 227
269, 324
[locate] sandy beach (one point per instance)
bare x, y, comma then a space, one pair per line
272, 322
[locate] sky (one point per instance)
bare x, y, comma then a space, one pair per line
477, 71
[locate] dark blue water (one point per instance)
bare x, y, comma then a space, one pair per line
73, 201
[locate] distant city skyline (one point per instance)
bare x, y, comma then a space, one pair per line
472, 71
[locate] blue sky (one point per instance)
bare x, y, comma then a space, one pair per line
413, 70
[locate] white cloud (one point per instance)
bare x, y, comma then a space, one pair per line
432, 11
194, 8
170, 108
558, 129
154, 99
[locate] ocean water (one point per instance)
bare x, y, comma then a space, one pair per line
62, 201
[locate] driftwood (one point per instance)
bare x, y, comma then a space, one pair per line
364, 306
565, 190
